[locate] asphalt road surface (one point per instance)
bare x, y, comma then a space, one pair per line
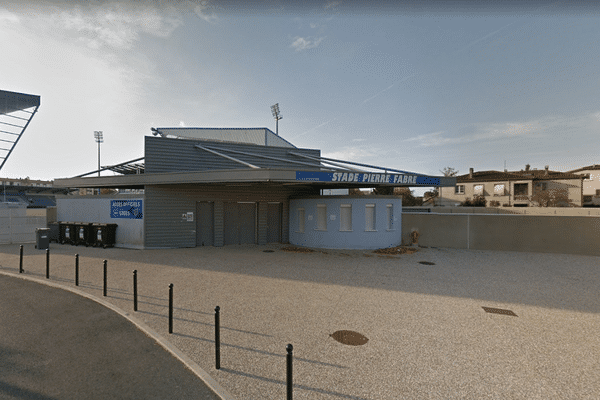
55, 344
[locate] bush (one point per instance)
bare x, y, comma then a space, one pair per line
505, 205
478, 201
494, 203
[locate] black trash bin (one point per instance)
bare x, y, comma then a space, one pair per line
104, 235
42, 238
83, 233
54, 231
66, 232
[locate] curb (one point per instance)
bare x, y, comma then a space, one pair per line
189, 363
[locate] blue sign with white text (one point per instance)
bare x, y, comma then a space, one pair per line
359, 177
131, 209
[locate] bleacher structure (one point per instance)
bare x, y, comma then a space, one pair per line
16, 112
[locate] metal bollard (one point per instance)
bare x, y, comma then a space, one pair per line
76, 269
171, 308
105, 277
135, 290
47, 263
217, 339
290, 385
21, 260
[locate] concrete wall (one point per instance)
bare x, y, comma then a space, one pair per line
130, 232
333, 237
546, 234
17, 227
565, 211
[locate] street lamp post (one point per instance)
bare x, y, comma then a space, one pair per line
99, 139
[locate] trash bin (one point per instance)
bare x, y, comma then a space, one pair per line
54, 232
66, 233
83, 233
42, 238
104, 235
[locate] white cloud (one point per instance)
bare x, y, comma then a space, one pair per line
116, 25
201, 11
301, 43
6, 15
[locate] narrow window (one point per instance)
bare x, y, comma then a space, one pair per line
499, 189
478, 190
390, 217
459, 189
321, 217
301, 220
370, 217
346, 217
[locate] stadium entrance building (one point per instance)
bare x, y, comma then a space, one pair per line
215, 187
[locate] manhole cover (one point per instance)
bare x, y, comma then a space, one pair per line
499, 311
349, 337
268, 251
426, 263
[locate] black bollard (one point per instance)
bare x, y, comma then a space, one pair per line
47, 263
21, 260
76, 269
105, 277
290, 385
217, 339
171, 308
135, 290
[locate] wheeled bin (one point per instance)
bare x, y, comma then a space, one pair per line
42, 238
83, 233
66, 233
54, 232
104, 235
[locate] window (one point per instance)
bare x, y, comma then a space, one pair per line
346, 217
597, 192
301, 220
321, 217
370, 217
499, 189
459, 189
390, 217
541, 185
521, 189
478, 190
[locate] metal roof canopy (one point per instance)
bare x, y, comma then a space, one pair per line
14, 119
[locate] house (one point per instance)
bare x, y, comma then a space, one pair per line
523, 188
591, 185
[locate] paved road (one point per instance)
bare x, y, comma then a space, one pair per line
55, 344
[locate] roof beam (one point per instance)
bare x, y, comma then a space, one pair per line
227, 157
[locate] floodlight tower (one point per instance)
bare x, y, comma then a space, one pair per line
99, 139
277, 116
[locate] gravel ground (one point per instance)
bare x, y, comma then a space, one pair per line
428, 336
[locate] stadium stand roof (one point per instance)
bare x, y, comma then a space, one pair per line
16, 111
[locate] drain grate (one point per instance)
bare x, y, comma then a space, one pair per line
499, 311
268, 251
349, 337
426, 263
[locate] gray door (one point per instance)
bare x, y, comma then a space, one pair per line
230, 224
274, 223
205, 223
239, 223
247, 225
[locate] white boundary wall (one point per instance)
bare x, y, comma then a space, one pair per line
16, 226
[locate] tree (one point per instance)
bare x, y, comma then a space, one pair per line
408, 199
552, 198
384, 190
430, 194
449, 171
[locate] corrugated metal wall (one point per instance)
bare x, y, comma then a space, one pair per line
175, 155
260, 136
167, 206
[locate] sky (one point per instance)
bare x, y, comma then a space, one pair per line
419, 86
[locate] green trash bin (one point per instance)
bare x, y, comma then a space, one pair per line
83, 233
66, 233
104, 235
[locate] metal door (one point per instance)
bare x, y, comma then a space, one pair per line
205, 223
247, 222
274, 223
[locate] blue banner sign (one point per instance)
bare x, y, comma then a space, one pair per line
131, 209
359, 177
